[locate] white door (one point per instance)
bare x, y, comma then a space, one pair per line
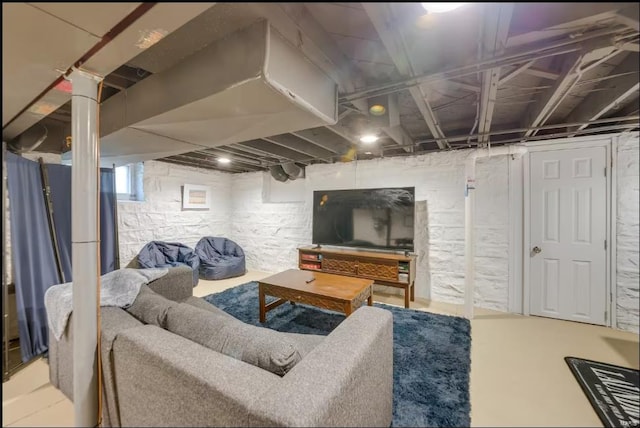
568, 232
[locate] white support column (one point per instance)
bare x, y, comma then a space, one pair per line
85, 246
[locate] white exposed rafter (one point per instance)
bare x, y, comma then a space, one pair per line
597, 104
573, 66
496, 30
381, 16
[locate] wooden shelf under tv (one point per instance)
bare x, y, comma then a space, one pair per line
383, 268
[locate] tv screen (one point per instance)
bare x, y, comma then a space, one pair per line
368, 218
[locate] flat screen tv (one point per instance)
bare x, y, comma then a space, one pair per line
367, 218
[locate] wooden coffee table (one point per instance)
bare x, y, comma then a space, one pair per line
334, 292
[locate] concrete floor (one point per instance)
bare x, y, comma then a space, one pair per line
518, 374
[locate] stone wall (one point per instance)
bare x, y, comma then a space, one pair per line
628, 231
161, 218
271, 232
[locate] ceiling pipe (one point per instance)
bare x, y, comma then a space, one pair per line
469, 216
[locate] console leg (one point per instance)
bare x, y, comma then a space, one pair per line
406, 297
413, 295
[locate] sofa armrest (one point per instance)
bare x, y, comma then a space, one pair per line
166, 380
347, 380
176, 285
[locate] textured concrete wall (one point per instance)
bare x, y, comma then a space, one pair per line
627, 221
271, 232
161, 218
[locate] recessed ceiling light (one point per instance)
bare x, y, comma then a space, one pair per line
367, 153
224, 160
377, 109
441, 7
369, 138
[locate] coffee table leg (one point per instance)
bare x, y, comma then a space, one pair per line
262, 300
370, 299
348, 309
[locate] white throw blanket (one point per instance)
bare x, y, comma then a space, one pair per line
118, 288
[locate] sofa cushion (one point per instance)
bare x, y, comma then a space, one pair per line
150, 307
268, 349
203, 304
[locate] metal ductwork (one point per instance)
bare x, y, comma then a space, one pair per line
277, 172
248, 85
293, 171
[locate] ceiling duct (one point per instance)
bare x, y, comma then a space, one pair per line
277, 172
248, 85
293, 171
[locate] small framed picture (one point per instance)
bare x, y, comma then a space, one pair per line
196, 197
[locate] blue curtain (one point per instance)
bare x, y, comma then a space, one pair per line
34, 261
108, 205
32, 246
60, 184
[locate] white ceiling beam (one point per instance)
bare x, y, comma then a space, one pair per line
599, 103
545, 74
381, 16
629, 17
516, 71
395, 130
497, 20
301, 145
570, 73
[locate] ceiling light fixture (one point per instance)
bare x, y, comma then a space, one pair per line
369, 138
377, 110
224, 160
441, 7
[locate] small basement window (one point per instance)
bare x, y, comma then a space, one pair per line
129, 182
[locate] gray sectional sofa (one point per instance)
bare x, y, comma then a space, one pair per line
172, 359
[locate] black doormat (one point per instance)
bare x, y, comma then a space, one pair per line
614, 391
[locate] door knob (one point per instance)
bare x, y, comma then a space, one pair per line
537, 250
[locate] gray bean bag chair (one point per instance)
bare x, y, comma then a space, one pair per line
220, 258
158, 254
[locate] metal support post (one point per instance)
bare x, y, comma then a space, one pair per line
85, 246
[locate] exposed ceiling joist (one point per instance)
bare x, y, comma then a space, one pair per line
244, 154
599, 103
343, 132
497, 19
573, 65
251, 151
251, 165
515, 72
300, 145
325, 136
465, 86
381, 16
395, 130
209, 162
538, 72
629, 17
274, 149
195, 164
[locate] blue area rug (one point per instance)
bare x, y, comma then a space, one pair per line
431, 354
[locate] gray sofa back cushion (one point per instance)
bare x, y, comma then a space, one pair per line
261, 347
150, 307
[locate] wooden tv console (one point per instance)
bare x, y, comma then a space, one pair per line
395, 270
